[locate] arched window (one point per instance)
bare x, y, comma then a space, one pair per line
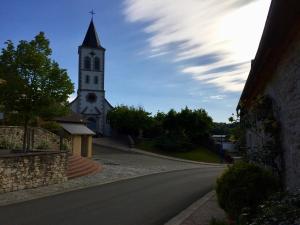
96, 63
87, 63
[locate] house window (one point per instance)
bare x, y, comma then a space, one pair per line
87, 63
96, 80
87, 79
96, 63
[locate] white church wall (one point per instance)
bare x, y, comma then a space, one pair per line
91, 85
107, 128
91, 73
92, 109
84, 51
91, 105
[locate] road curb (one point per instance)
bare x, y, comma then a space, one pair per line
135, 150
182, 216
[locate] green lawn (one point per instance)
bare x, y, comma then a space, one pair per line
199, 154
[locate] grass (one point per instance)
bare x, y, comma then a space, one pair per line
199, 154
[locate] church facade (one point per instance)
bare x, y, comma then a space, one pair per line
90, 101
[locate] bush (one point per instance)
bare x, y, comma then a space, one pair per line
8, 144
129, 120
243, 186
214, 221
282, 208
173, 142
43, 145
227, 157
51, 126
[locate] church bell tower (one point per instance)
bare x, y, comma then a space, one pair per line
90, 101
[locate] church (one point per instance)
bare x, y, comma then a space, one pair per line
90, 101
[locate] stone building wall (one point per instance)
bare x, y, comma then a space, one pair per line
284, 89
22, 171
11, 137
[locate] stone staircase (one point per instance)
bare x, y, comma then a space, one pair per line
79, 166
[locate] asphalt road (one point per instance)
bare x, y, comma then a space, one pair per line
152, 199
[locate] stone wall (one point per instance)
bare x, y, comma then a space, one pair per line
11, 137
21, 171
284, 89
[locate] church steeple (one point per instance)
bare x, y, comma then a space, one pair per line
90, 101
91, 39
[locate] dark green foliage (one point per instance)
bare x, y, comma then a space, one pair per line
185, 129
129, 120
156, 128
52, 126
214, 221
282, 208
193, 124
174, 131
242, 186
174, 142
222, 128
35, 85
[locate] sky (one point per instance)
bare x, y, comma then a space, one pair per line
160, 54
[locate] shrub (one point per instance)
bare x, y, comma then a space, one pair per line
51, 126
227, 157
7, 143
281, 208
173, 142
43, 145
214, 221
242, 186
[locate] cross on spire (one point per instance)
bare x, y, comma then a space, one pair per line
92, 13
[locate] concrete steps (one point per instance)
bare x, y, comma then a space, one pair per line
79, 166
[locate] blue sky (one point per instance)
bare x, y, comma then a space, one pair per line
159, 54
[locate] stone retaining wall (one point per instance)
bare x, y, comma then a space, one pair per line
11, 137
22, 171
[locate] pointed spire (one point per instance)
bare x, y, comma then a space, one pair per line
91, 38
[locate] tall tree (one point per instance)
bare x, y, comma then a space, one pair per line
129, 120
35, 84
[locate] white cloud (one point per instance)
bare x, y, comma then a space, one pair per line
217, 97
186, 29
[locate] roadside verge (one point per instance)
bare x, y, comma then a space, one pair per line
135, 150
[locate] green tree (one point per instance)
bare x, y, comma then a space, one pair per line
185, 129
129, 120
35, 84
194, 124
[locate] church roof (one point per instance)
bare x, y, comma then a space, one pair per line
91, 38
